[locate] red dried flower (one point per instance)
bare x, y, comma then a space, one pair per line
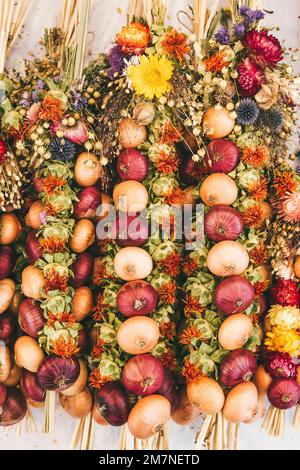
167, 330
265, 50
167, 292
190, 371
281, 365
288, 207
3, 151
170, 264
134, 38
167, 163
97, 380
250, 78
284, 182
51, 109
192, 307
63, 348
55, 281
258, 191
286, 292
253, 216
176, 196
259, 255
191, 332
189, 266
176, 44
261, 286
98, 349
168, 359
169, 134
215, 63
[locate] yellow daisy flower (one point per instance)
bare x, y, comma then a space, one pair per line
151, 77
283, 340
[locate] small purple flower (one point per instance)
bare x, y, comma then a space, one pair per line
77, 100
35, 96
116, 61
40, 85
57, 79
251, 16
239, 30
222, 36
43, 218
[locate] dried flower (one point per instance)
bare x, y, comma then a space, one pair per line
215, 63
267, 96
256, 157
175, 44
134, 38
283, 340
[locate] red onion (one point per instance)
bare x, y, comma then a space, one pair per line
56, 373
143, 375
223, 223
173, 396
234, 295
14, 408
32, 247
222, 156
7, 328
168, 382
31, 387
136, 298
284, 393
112, 402
132, 165
83, 341
89, 201
38, 184
131, 231
191, 172
82, 269
7, 261
31, 318
239, 366
3, 394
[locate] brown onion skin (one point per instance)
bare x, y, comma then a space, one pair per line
132, 165
7, 261
14, 408
33, 249
14, 376
3, 393
82, 269
136, 298
134, 233
32, 388
84, 342
222, 156
143, 375
239, 366
112, 402
97, 417
7, 328
89, 201
284, 393
31, 318
223, 223
57, 373
234, 295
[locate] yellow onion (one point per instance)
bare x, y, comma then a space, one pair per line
28, 353
10, 228
297, 267
7, 292
87, 169
218, 189
14, 376
235, 331
185, 413
148, 416
82, 303
133, 263
217, 123
5, 363
241, 404
80, 383
227, 258
13, 308
206, 395
130, 196
131, 134
32, 282
138, 335
79, 405
83, 236
33, 217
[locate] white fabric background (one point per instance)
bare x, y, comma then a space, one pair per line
106, 19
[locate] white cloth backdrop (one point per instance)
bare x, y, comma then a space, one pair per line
106, 19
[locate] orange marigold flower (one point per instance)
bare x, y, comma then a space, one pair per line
97, 380
55, 281
99, 272
261, 286
176, 44
170, 264
51, 210
176, 196
258, 191
170, 134
167, 330
134, 38
167, 292
51, 109
190, 371
215, 63
51, 183
192, 307
189, 266
255, 156
259, 255
53, 244
167, 163
62, 317
284, 182
98, 349
190, 333
168, 359
63, 348
99, 312
253, 216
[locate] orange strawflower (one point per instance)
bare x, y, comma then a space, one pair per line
167, 292
190, 371
62, 317
192, 307
55, 281
169, 135
253, 216
167, 163
170, 264
63, 348
189, 333
215, 63
261, 286
98, 349
258, 191
189, 266
51, 183
176, 44
176, 196
255, 157
134, 38
53, 244
168, 359
97, 380
167, 330
259, 255
51, 109
284, 182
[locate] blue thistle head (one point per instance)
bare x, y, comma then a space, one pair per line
247, 112
273, 118
62, 150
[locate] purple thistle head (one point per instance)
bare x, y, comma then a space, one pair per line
116, 61
222, 36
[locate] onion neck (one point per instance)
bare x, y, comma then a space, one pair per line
221, 229
286, 398
247, 376
139, 304
146, 383
141, 343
